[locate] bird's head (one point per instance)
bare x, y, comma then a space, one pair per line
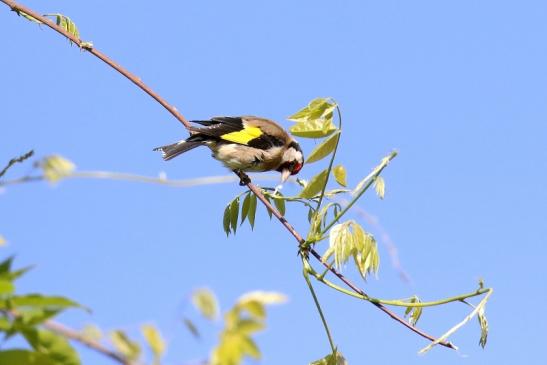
291, 162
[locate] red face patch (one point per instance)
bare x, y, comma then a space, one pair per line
296, 168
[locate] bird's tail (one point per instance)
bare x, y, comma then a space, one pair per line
173, 150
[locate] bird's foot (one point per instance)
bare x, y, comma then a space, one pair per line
277, 189
304, 249
243, 178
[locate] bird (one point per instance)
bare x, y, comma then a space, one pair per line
243, 144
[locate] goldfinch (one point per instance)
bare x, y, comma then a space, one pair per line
243, 144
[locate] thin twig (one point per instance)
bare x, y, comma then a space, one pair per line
460, 324
332, 157
177, 183
74, 335
306, 268
15, 160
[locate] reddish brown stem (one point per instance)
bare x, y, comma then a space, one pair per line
95, 52
352, 286
97, 346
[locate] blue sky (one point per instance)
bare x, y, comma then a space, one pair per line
459, 88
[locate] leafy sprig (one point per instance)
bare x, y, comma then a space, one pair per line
348, 240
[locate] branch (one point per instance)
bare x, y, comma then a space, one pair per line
71, 334
475, 312
83, 45
400, 302
353, 287
15, 160
107, 175
137, 81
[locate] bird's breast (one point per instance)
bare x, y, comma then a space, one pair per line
245, 158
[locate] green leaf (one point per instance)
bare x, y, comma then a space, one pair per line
310, 214
245, 207
250, 348
248, 326
365, 251
33, 317
28, 17
252, 210
413, 313
18, 273
318, 222
226, 220
191, 327
279, 203
341, 244
254, 307
5, 267
234, 212
270, 214
91, 332
125, 345
44, 302
324, 148
7, 274
380, 187
320, 107
348, 240
316, 128
53, 345
5, 324
315, 186
230, 350
339, 173
6, 287
64, 22
245, 318
25, 357
330, 359
56, 167
484, 327
72, 29
316, 108
205, 301
154, 340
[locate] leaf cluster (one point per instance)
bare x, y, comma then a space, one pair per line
247, 210
241, 322
331, 359
23, 315
65, 23
56, 167
349, 240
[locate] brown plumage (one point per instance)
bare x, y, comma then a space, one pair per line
244, 143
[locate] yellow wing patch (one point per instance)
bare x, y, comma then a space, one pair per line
243, 136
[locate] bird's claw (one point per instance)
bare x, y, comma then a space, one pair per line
304, 249
277, 189
243, 178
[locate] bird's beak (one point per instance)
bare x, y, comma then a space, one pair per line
285, 175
